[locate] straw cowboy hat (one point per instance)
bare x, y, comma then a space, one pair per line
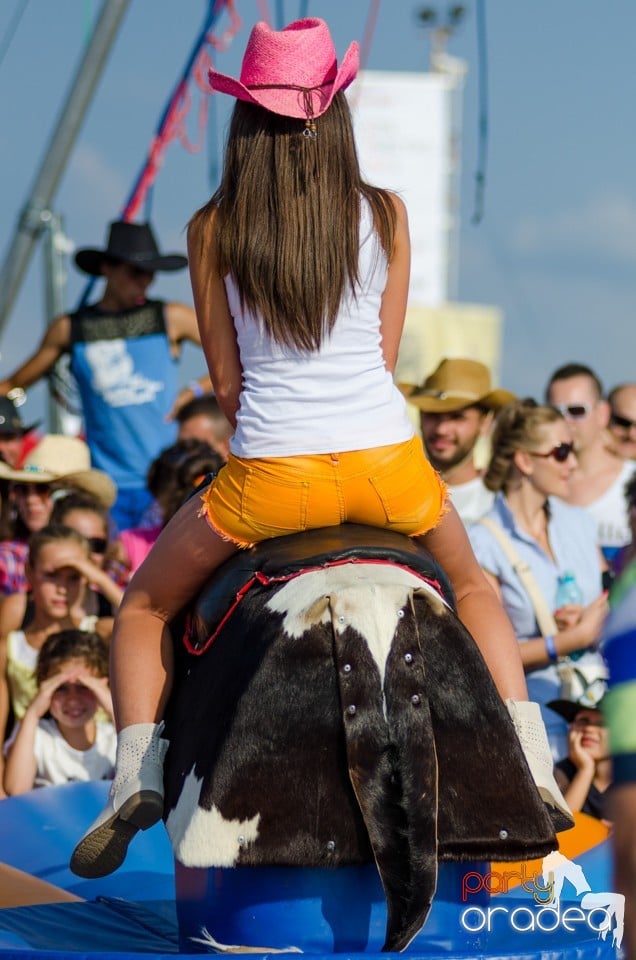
11, 421
132, 243
65, 461
293, 71
456, 384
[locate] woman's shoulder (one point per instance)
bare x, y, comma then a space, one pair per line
395, 206
571, 515
202, 226
484, 541
397, 203
560, 507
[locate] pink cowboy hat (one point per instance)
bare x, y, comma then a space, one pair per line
293, 71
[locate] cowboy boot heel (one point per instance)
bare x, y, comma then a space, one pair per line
135, 802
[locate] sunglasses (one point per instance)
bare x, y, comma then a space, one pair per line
24, 489
559, 453
573, 411
623, 422
98, 544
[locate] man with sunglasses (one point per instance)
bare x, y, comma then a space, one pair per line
598, 483
622, 420
123, 351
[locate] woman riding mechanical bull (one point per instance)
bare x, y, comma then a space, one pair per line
300, 274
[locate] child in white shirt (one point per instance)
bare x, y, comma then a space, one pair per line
59, 738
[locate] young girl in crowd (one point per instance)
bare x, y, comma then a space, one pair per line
82, 512
59, 738
58, 559
300, 276
88, 516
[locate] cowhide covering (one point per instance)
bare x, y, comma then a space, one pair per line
341, 716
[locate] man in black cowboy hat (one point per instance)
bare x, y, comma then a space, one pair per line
122, 351
13, 434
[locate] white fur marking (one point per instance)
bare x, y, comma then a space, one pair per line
204, 838
365, 596
208, 940
297, 597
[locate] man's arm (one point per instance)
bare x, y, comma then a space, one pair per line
54, 343
181, 324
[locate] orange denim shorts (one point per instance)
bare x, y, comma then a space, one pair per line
394, 487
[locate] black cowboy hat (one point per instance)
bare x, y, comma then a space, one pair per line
10, 419
568, 709
591, 699
132, 243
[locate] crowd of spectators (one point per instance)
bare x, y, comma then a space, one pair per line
546, 488
522, 501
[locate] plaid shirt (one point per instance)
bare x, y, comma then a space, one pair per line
13, 557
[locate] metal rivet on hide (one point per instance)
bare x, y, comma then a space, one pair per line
241, 841
408, 658
351, 709
400, 614
347, 668
503, 834
331, 846
415, 699
341, 619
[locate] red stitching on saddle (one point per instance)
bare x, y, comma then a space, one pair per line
265, 581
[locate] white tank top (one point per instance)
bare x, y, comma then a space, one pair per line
339, 398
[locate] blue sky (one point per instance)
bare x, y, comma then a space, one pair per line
556, 249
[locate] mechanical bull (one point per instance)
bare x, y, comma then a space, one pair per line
330, 710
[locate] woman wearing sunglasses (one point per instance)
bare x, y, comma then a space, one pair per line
530, 469
106, 577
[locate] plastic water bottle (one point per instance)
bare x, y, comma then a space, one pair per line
568, 591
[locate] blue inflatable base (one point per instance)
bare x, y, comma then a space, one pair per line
38, 831
115, 930
134, 912
322, 912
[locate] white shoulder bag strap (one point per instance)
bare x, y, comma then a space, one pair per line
545, 619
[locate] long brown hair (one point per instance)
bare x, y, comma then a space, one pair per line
288, 218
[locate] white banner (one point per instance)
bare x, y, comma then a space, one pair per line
403, 130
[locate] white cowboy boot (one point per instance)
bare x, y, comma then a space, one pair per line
530, 728
135, 801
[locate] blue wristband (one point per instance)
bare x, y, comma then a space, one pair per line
196, 388
550, 649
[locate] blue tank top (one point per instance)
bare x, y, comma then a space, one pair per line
127, 380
